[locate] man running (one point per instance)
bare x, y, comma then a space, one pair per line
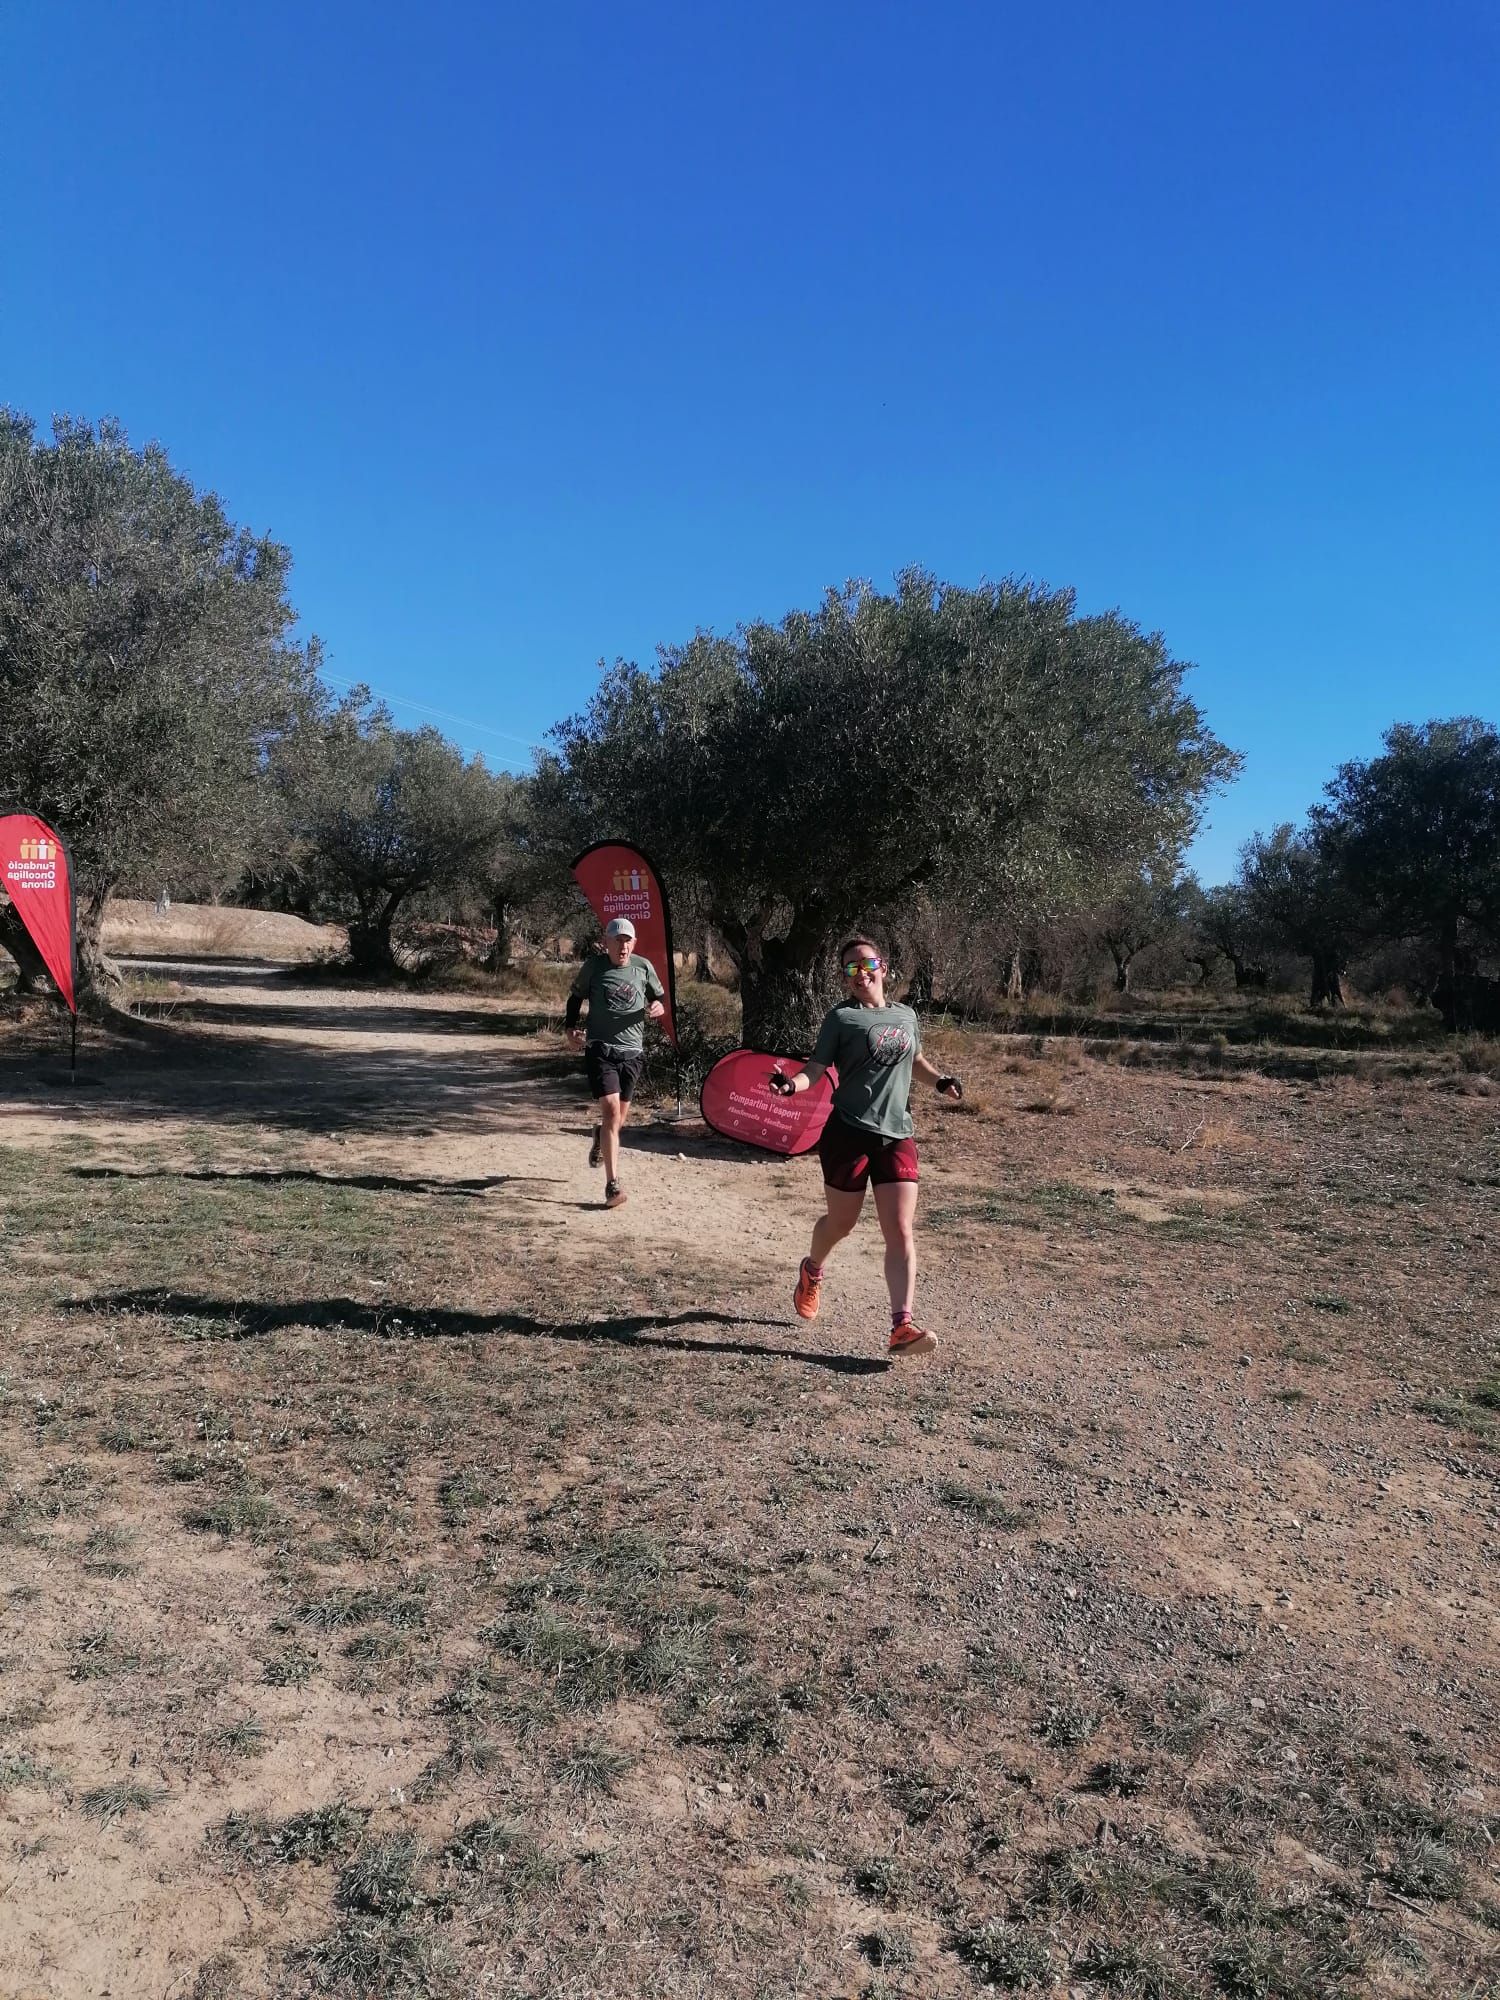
876, 1048
623, 993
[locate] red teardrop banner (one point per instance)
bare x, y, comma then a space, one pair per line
35, 874
737, 1101
620, 882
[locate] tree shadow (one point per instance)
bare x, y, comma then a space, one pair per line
208, 971
249, 1320
670, 1137
332, 1016
138, 1069
475, 1187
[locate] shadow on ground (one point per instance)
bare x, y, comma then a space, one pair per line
243, 1319
375, 1017
178, 1069
474, 1188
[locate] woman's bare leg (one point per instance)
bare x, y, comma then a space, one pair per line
896, 1205
835, 1224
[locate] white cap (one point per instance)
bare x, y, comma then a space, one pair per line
619, 927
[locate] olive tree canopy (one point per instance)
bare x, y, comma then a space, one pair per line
1419, 835
376, 815
804, 774
146, 663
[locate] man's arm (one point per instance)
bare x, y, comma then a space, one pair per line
577, 993
656, 992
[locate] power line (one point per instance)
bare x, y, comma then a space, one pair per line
441, 714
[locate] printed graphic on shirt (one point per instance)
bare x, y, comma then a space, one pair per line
888, 1046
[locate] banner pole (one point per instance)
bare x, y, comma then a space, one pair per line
73, 1049
679, 1085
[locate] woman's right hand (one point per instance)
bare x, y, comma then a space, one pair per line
781, 1084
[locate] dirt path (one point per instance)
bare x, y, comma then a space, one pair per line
432, 1087
1167, 1554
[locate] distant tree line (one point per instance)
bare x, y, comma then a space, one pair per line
1403, 850
1001, 786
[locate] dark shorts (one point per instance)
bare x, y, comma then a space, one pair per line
852, 1159
611, 1072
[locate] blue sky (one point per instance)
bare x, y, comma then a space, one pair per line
542, 335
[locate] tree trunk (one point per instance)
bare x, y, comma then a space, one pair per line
370, 948
1014, 985
99, 978
500, 951
1122, 969
1327, 980
31, 971
919, 992
370, 945
1448, 965
783, 1002
370, 936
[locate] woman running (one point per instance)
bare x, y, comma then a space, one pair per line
876, 1048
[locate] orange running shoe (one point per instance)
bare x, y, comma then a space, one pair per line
809, 1290
909, 1338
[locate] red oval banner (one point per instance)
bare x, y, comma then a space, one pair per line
736, 1100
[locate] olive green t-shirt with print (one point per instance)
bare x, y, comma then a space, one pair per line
873, 1049
617, 996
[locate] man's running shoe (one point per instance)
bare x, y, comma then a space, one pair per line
909, 1338
809, 1289
596, 1151
614, 1195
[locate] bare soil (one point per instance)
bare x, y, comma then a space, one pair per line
199, 930
418, 1579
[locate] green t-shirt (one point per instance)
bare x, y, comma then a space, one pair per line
617, 997
873, 1049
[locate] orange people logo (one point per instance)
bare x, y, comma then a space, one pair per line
627, 880
38, 850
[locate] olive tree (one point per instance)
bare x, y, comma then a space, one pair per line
1226, 928
1295, 890
1144, 910
147, 664
801, 775
378, 814
1418, 832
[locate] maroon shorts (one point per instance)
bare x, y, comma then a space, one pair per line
853, 1159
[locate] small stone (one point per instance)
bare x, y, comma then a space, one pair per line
1244, 1361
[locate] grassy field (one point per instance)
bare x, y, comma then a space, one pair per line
416, 1581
